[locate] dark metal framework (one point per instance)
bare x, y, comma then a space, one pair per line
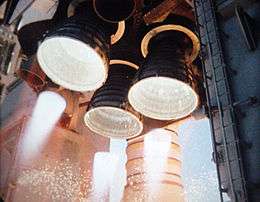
226, 143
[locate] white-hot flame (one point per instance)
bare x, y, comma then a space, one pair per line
48, 109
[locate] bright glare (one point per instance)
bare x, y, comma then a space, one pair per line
157, 143
72, 64
48, 109
118, 147
198, 170
162, 98
113, 122
156, 147
104, 169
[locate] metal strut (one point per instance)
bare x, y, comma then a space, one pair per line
219, 98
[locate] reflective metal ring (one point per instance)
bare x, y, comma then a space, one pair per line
195, 40
124, 62
120, 25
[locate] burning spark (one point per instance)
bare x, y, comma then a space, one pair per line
55, 181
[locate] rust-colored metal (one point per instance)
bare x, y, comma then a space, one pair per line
184, 9
161, 182
33, 75
168, 186
190, 3
85, 97
119, 33
159, 13
69, 119
140, 142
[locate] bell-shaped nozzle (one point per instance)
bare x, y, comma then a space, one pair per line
165, 85
114, 10
109, 113
163, 88
75, 53
74, 56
